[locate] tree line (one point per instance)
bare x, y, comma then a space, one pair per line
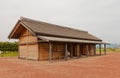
8, 46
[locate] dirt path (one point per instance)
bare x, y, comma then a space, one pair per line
92, 67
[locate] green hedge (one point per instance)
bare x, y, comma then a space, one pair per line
8, 46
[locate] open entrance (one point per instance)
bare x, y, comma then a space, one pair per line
74, 50
77, 50
70, 50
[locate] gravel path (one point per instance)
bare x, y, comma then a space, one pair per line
92, 67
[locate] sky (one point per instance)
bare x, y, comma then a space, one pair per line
99, 17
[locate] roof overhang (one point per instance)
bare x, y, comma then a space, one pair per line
59, 39
19, 25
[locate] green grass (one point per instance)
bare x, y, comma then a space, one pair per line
109, 50
9, 54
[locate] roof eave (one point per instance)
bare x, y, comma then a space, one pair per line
44, 34
11, 35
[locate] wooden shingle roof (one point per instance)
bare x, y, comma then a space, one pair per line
47, 29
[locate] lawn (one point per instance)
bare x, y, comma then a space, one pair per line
9, 54
109, 50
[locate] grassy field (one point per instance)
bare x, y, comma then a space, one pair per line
9, 54
110, 50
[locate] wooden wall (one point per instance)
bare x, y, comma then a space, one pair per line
58, 50
91, 49
28, 46
44, 50
26, 37
84, 51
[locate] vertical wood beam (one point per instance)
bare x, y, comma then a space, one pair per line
66, 52
87, 52
50, 52
100, 48
27, 54
95, 50
71, 53
89, 48
78, 51
38, 51
81, 49
19, 51
105, 49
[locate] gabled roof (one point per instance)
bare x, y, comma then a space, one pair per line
46, 29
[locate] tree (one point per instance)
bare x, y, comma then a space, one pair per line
8, 46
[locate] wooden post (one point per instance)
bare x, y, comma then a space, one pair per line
38, 51
27, 54
50, 52
71, 54
87, 50
19, 51
66, 52
95, 50
105, 49
100, 48
78, 50
81, 49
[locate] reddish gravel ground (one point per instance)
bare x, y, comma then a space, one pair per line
106, 66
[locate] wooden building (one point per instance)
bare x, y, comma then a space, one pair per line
44, 41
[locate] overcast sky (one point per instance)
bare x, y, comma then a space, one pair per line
100, 17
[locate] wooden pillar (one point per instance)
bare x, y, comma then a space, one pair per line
105, 49
87, 52
38, 51
27, 54
95, 50
66, 52
100, 48
19, 51
50, 52
71, 53
78, 51
81, 49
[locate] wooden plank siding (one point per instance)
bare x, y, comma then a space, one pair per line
43, 51
57, 50
26, 37
84, 52
28, 47
91, 49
